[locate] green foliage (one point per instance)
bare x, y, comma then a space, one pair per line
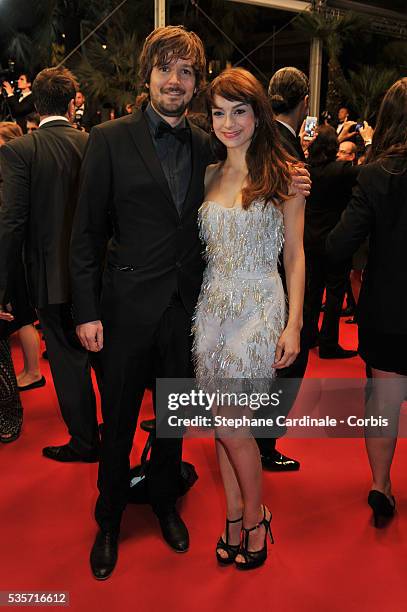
334, 31
366, 87
110, 74
34, 50
107, 65
236, 19
395, 54
20, 49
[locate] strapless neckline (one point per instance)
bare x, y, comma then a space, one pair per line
222, 206
239, 207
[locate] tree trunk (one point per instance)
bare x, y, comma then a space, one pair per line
334, 97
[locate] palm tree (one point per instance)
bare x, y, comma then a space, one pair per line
108, 66
41, 46
365, 89
395, 54
334, 31
235, 19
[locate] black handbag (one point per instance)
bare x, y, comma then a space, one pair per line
138, 492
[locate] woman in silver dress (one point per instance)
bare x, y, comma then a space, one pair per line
241, 327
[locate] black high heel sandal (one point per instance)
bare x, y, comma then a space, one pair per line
383, 508
232, 550
255, 558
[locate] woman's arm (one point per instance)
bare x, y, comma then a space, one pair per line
288, 345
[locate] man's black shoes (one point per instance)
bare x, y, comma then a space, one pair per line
276, 462
65, 454
174, 531
103, 556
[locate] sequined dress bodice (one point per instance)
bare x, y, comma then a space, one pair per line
240, 243
241, 309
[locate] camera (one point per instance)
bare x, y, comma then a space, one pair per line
310, 127
78, 117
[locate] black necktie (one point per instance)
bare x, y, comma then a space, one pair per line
181, 134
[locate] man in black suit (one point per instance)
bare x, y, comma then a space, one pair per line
288, 91
21, 101
289, 96
41, 174
143, 177
85, 119
343, 118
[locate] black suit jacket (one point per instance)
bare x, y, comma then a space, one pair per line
290, 142
378, 208
20, 110
153, 251
41, 177
332, 185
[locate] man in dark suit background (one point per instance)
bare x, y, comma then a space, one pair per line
343, 117
85, 117
143, 175
289, 96
288, 91
41, 174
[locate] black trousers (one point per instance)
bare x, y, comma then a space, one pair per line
334, 277
129, 357
71, 373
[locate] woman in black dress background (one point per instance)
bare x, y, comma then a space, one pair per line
11, 412
379, 208
22, 318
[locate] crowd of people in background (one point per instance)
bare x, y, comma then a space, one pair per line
250, 153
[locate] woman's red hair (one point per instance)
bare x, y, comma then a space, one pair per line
269, 175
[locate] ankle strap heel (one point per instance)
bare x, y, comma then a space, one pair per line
255, 558
231, 550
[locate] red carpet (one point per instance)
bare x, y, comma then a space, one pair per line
327, 555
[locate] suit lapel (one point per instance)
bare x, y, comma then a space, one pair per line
143, 141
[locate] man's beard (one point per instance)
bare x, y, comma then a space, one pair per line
170, 111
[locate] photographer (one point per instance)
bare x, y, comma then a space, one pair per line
20, 100
351, 130
84, 119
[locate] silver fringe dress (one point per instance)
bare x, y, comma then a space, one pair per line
241, 309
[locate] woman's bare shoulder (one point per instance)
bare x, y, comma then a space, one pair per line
210, 173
